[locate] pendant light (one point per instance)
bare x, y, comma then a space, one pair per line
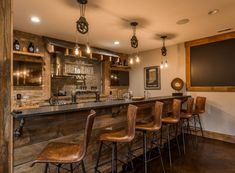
82, 24
134, 44
163, 53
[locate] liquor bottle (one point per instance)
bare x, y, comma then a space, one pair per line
31, 47
16, 45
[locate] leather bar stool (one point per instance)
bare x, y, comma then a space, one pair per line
121, 136
185, 117
199, 109
152, 127
59, 154
173, 119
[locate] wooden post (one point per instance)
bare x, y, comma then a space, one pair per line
6, 32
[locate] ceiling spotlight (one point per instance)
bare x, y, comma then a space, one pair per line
182, 21
212, 12
116, 42
35, 19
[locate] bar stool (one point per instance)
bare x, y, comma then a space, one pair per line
153, 127
185, 116
173, 119
121, 136
59, 154
199, 109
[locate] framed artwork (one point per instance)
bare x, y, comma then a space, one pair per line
152, 80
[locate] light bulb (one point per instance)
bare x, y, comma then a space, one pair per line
161, 66
166, 65
131, 61
137, 59
110, 58
76, 51
88, 49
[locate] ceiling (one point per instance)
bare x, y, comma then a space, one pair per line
109, 20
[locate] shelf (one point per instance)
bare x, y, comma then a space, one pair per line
28, 53
120, 67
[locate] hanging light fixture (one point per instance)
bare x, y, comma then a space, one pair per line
134, 44
88, 48
163, 52
82, 24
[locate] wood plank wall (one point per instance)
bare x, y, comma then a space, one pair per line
6, 84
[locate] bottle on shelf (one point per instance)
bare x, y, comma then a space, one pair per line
16, 45
31, 47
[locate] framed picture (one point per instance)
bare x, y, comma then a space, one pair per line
152, 79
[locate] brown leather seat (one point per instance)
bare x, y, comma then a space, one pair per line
173, 119
67, 153
175, 114
199, 109
124, 135
200, 105
186, 114
154, 125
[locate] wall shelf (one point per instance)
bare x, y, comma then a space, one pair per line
120, 67
28, 53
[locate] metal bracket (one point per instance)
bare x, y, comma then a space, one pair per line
18, 131
116, 113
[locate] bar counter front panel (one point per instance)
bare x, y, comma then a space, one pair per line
66, 124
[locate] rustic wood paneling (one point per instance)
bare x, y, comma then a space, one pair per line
35, 94
6, 86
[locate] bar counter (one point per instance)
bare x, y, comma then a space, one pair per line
66, 123
53, 110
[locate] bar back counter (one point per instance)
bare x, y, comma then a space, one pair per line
35, 128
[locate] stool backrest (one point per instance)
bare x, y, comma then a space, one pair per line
157, 118
190, 103
88, 130
200, 104
131, 121
176, 107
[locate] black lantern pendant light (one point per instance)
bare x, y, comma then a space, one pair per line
134, 44
82, 24
134, 40
164, 52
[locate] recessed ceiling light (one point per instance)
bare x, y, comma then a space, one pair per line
35, 19
182, 21
212, 12
116, 42
225, 30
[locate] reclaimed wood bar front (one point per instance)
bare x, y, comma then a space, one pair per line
35, 128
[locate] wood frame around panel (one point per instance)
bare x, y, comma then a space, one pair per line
202, 41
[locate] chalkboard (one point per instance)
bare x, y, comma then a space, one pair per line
213, 64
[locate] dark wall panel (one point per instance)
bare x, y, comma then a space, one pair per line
213, 64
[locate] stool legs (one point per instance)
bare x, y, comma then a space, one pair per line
169, 143
46, 168
71, 168
58, 168
98, 156
130, 157
145, 150
182, 131
114, 157
176, 137
199, 120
